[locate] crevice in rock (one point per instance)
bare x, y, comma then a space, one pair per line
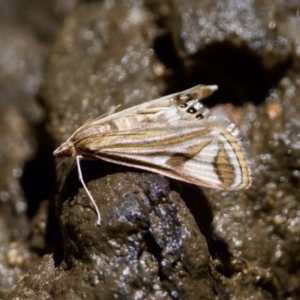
239, 72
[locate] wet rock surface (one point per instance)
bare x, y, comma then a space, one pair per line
147, 247
159, 239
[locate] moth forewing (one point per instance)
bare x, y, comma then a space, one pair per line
172, 135
150, 108
204, 155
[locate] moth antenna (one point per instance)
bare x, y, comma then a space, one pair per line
78, 158
110, 112
113, 109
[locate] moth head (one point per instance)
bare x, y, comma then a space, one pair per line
65, 150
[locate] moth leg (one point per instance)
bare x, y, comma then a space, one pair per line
78, 158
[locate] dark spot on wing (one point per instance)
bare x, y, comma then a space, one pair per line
191, 110
199, 116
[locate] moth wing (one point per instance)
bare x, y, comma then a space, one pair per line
170, 108
149, 108
203, 153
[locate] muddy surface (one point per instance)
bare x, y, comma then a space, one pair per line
62, 64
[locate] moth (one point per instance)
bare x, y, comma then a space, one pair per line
173, 135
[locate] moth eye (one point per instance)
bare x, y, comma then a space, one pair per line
199, 116
191, 110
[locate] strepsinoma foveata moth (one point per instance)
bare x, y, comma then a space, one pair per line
173, 135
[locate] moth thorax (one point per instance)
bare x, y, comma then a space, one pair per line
65, 150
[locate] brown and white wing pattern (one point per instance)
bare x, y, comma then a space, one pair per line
203, 153
172, 135
131, 117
